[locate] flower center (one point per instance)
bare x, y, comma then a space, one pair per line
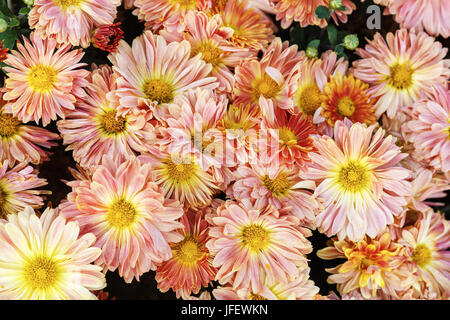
8, 125
3, 201
111, 124
42, 78
346, 107
185, 4
68, 3
121, 214
254, 296
278, 186
210, 53
180, 172
159, 91
401, 76
255, 237
188, 251
421, 255
354, 177
309, 99
41, 273
287, 136
266, 87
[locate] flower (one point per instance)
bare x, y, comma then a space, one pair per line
46, 258
107, 37
17, 188
429, 129
190, 266
428, 243
43, 81
71, 21
429, 15
358, 181
94, 129
401, 68
130, 217
302, 11
3, 52
372, 265
251, 244
152, 73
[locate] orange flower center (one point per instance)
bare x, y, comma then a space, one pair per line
41, 273
309, 99
401, 76
421, 255
346, 107
255, 237
287, 136
185, 4
65, 4
121, 214
266, 87
210, 53
111, 124
278, 186
8, 125
158, 90
42, 78
254, 296
188, 251
354, 177
180, 172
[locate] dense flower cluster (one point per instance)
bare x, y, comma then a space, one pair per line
209, 149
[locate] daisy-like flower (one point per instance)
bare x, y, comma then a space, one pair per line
269, 184
372, 265
429, 129
358, 181
401, 68
433, 16
94, 129
71, 21
251, 29
43, 81
190, 268
428, 243
152, 73
130, 217
17, 188
301, 288
263, 82
208, 37
251, 245
46, 258
347, 97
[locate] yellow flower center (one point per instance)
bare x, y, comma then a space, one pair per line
346, 107
158, 90
255, 237
65, 4
8, 125
254, 296
111, 124
210, 53
180, 172
309, 99
185, 4
41, 273
278, 186
3, 202
401, 76
421, 255
354, 177
121, 214
266, 87
42, 78
287, 136
188, 251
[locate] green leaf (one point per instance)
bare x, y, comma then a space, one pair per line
343, 8
5, 10
314, 43
10, 37
343, 54
332, 34
339, 49
322, 12
24, 11
14, 22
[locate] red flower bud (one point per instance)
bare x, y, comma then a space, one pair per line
107, 37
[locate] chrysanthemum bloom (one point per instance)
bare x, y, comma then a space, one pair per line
302, 11
107, 37
429, 129
251, 245
181, 177
71, 21
433, 16
190, 267
428, 243
372, 265
3, 52
43, 81
251, 29
263, 82
301, 288
342, 15
130, 217
94, 129
347, 97
401, 68
46, 258
289, 137
17, 188
358, 181
153, 73
208, 37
